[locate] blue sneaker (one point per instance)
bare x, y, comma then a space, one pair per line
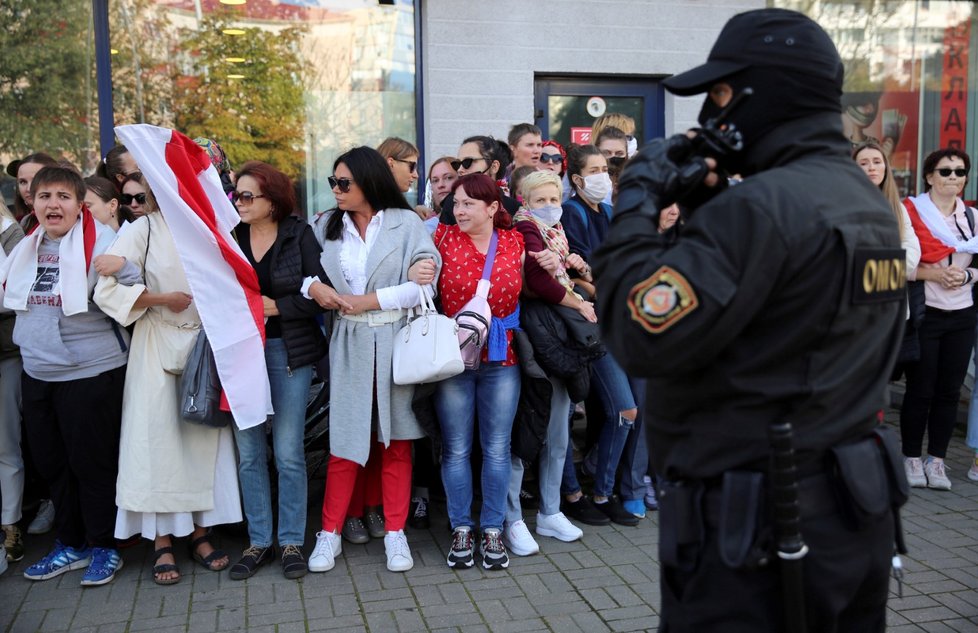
102, 570
61, 559
635, 507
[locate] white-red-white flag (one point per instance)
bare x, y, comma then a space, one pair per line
223, 284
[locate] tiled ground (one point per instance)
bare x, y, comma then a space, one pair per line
606, 582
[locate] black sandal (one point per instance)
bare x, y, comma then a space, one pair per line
162, 568
208, 561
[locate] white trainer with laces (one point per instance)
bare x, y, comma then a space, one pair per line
519, 540
936, 477
914, 468
329, 545
558, 526
44, 520
398, 551
973, 471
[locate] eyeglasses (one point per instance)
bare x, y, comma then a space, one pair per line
947, 171
244, 197
412, 164
343, 184
551, 158
127, 198
466, 162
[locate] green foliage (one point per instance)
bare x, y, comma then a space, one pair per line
46, 77
258, 117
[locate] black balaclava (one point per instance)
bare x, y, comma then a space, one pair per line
780, 95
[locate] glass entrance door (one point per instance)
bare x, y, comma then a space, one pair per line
566, 107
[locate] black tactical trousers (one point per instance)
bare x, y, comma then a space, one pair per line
846, 583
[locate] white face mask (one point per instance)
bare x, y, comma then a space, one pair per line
632, 146
549, 214
596, 187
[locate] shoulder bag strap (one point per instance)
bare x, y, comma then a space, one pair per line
482, 290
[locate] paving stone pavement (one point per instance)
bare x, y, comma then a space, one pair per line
606, 582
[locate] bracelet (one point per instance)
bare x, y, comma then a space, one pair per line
967, 277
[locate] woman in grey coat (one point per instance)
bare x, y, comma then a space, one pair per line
378, 255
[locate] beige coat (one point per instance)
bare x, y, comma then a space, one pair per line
165, 464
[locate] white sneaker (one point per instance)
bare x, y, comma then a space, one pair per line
936, 477
44, 520
329, 545
914, 468
973, 471
398, 551
518, 539
558, 526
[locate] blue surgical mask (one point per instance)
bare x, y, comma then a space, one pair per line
549, 214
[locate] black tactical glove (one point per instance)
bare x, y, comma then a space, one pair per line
663, 172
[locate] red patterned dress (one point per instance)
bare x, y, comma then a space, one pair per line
462, 269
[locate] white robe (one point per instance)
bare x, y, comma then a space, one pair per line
166, 465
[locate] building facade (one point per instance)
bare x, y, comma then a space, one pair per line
296, 82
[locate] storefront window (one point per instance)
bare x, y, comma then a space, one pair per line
47, 82
910, 76
290, 82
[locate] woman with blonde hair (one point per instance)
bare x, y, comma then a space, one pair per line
402, 158
618, 120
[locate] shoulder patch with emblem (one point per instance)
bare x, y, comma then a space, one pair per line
879, 275
659, 302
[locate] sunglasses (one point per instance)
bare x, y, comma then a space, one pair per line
244, 197
947, 171
343, 184
127, 198
412, 164
551, 158
465, 162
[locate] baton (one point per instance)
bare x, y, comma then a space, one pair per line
787, 525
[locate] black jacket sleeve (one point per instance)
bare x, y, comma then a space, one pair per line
295, 306
674, 307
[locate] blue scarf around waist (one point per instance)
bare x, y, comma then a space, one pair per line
498, 343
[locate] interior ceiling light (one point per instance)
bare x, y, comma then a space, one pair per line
235, 60
233, 1
236, 76
114, 51
233, 31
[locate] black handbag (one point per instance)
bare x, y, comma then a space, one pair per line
200, 387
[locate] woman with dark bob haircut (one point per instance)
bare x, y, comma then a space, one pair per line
379, 257
283, 250
948, 243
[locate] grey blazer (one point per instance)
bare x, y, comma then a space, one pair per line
360, 355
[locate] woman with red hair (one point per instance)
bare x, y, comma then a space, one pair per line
482, 231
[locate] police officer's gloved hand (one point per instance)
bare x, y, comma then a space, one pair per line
663, 172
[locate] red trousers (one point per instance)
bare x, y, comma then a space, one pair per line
390, 466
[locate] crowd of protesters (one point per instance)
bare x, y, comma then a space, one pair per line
98, 319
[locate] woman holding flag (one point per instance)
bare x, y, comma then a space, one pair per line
946, 230
74, 368
175, 478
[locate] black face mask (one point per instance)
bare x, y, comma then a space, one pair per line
779, 96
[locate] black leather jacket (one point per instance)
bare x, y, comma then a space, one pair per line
767, 308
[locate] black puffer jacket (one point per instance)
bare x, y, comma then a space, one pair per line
564, 343
295, 256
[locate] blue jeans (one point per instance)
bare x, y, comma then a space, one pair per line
290, 389
635, 456
493, 391
616, 396
551, 459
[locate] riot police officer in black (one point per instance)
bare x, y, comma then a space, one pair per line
777, 310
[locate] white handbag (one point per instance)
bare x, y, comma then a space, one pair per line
426, 349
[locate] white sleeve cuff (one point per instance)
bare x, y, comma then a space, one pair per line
306, 284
